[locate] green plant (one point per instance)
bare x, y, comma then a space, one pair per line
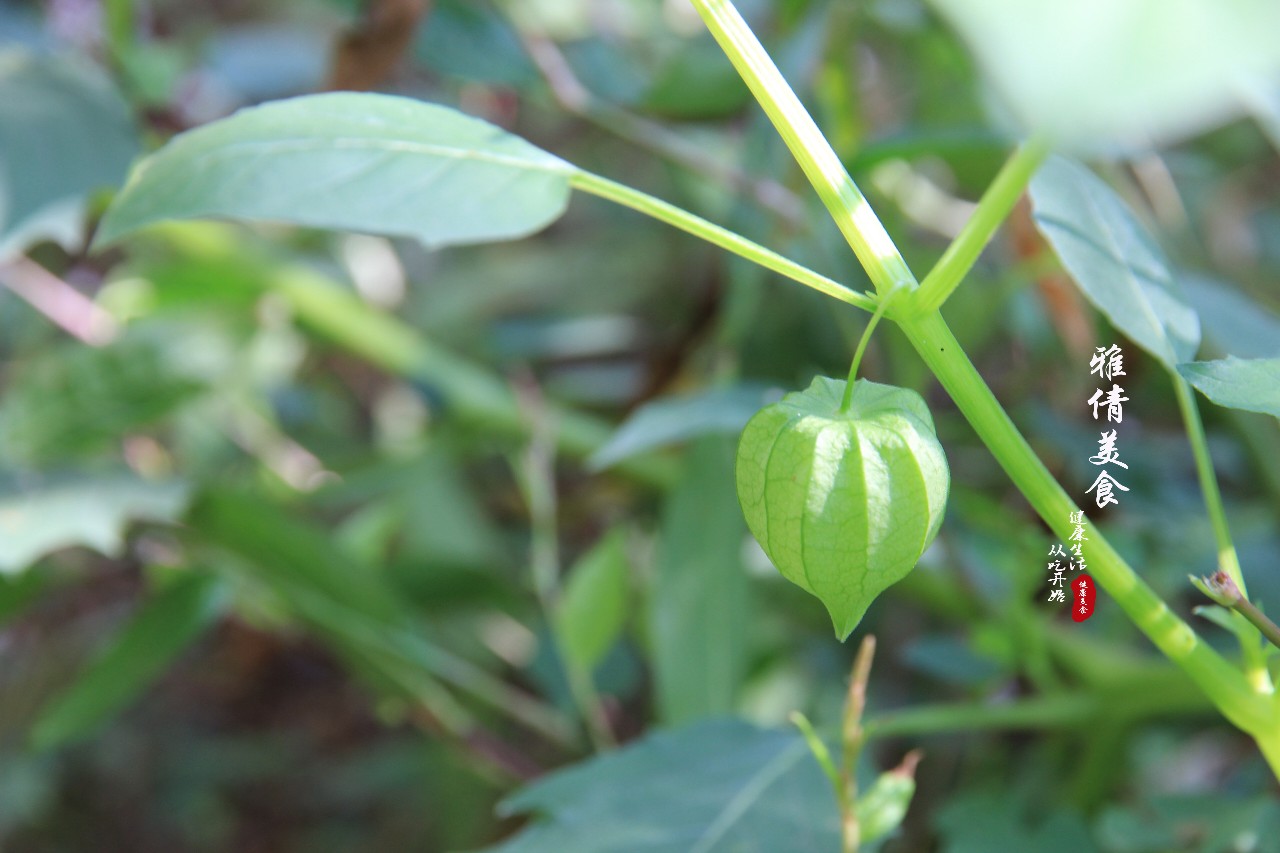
392, 143
288, 545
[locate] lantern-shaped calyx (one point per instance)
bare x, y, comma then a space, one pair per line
843, 502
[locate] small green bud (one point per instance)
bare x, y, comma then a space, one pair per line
844, 502
881, 809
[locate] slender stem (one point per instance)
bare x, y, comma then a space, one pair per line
1179, 642
571, 94
862, 348
1227, 559
537, 481
1259, 620
1050, 712
716, 235
993, 208
849, 208
1223, 589
852, 736
1255, 664
819, 749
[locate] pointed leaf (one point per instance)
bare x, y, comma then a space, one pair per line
593, 610
361, 162
715, 787
670, 420
1113, 260
161, 630
1251, 384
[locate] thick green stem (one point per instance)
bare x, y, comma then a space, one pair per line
993, 208
716, 235
1218, 678
849, 208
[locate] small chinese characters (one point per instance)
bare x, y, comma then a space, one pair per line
1107, 363
1067, 559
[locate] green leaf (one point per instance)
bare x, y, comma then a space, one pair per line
1096, 72
148, 645
75, 400
715, 787
41, 514
1251, 384
297, 566
64, 133
360, 162
1113, 260
1235, 323
700, 607
471, 40
667, 421
698, 82
593, 610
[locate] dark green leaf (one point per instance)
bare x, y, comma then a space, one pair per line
471, 40
700, 617
359, 162
697, 82
1113, 260
1251, 384
64, 132
160, 631
715, 787
41, 514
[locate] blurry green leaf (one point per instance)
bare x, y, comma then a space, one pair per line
698, 82
157, 634
1204, 823
74, 399
440, 518
593, 610
359, 162
715, 787
41, 514
1235, 323
700, 613
949, 659
670, 420
1251, 384
1113, 260
984, 821
350, 606
288, 552
64, 132
1095, 72
469, 39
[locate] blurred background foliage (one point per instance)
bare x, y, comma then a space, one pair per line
316, 542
